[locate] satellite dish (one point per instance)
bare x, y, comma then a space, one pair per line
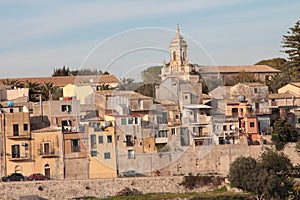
232, 127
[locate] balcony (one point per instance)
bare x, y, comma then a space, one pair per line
17, 136
48, 154
19, 157
161, 140
129, 144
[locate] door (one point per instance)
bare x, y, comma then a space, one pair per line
47, 171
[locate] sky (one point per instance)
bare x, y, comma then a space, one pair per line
125, 37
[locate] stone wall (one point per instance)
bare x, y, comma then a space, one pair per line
93, 187
215, 160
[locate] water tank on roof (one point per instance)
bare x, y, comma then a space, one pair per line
241, 98
10, 104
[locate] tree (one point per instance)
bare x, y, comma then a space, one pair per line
241, 77
147, 89
125, 84
47, 90
151, 75
11, 82
277, 81
34, 90
291, 45
277, 63
268, 177
241, 173
65, 71
283, 132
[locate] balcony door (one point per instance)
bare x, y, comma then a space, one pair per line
46, 148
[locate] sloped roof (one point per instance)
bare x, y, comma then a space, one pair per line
286, 95
297, 84
61, 81
238, 69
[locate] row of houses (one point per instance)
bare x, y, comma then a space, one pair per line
93, 133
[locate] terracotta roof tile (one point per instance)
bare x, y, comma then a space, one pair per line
237, 69
286, 95
61, 81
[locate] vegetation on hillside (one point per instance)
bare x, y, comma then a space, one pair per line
269, 177
283, 133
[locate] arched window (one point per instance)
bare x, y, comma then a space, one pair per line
174, 55
183, 55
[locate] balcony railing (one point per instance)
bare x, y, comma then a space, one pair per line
48, 154
19, 136
161, 140
19, 157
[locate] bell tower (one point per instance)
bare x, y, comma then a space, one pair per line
178, 52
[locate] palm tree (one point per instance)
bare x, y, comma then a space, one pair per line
11, 82
124, 83
34, 90
46, 90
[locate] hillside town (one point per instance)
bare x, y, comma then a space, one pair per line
94, 132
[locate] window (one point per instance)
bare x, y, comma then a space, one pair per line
16, 129
66, 125
100, 139
252, 124
130, 154
93, 141
161, 134
136, 120
46, 148
241, 110
130, 120
173, 131
123, 121
164, 117
107, 155
140, 104
298, 120
255, 90
11, 110
93, 153
25, 127
109, 139
224, 128
15, 151
75, 145
176, 116
186, 96
66, 108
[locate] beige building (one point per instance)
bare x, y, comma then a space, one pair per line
16, 138
47, 151
102, 156
80, 92
293, 87
226, 73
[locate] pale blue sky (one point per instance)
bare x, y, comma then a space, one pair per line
38, 36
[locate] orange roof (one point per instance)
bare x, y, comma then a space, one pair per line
237, 69
61, 81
